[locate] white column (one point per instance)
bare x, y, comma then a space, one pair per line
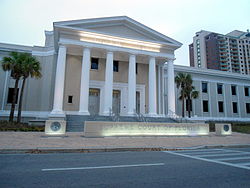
59, 82
131, 85
163, 90
159, 104
108, 88
171, 89
84, 88
152, 87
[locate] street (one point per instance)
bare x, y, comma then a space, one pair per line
193, 168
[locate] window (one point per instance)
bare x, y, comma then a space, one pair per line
136, 68
205, 106
70, 99
10, 95
219, 88
248, 108
191, 108
235, 109
116, 66
233, 89
220, 105
246, 91
94, 63
204, 87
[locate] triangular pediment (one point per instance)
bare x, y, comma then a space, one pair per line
121, 26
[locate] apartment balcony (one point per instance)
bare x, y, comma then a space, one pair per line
223, 50
234, 55
222, 47
224, 68
223, 60
233, 47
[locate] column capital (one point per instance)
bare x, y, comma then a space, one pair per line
85, 48
62, 45
110, 52
171, 60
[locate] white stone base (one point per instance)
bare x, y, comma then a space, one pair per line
55, 127
223, 129
86, 113
55, 114
106, 129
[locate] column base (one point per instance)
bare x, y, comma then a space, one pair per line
105, 113
152, 115
57, 114
131, 114
172, 115
84, 113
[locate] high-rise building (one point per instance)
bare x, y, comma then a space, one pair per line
228, 52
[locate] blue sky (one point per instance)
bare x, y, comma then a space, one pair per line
24, 21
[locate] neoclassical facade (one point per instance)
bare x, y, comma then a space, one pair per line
116, 65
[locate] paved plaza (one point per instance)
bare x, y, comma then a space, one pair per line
38, 140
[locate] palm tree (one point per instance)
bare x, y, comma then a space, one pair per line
181, 81
30, 67
13, 64
191, 93
184, 82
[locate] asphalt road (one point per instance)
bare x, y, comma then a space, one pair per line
203, 168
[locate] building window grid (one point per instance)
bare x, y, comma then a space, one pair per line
220, 106
204, 86
205, 106
235, 107
248, 108
219, 89
233, 90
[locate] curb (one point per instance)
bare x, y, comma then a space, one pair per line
95, 150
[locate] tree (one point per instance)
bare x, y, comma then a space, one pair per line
21, 65
181, 80
184, 82
13, 64
191, 93
30, 67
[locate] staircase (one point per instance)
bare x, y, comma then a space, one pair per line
75, 123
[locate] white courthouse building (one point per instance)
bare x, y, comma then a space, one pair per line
116, 65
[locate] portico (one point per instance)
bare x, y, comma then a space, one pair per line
149, 56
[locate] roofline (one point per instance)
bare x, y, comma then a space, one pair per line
114, 18
211, 72
15, 47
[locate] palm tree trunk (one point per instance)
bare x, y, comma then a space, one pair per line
13, 104
189, 107
183, 101
20, 102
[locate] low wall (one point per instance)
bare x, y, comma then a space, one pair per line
105, 129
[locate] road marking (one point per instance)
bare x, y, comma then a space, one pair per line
232, 159
243, 164
103, 167
219, 154
208, 160
202, 152
198, 150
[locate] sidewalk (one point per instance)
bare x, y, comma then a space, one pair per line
14, 141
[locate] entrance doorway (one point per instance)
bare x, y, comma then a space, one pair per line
94, 101
138, 102
116, 104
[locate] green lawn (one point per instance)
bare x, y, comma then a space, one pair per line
7, 126
241, 128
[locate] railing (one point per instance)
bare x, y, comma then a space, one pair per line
114, 116
140, 117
